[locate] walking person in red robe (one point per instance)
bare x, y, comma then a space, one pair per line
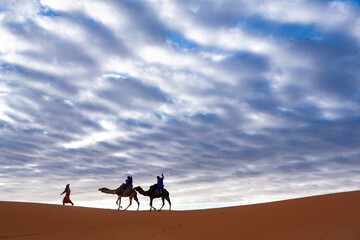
67, 192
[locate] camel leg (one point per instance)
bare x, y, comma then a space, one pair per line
137, 200
163, 201
151, 206
168, 199
118, 202
129, 203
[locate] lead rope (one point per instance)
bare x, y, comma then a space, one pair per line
81, 192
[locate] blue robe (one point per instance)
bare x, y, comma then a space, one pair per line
160, 183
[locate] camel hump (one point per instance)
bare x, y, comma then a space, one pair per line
125, 191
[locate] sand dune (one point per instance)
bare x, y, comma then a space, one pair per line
325, 217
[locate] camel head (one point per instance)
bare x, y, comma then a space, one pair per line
139, 189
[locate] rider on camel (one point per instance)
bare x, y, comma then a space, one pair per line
160, 184
128, 182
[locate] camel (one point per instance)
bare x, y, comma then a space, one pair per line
129, 192
151, 194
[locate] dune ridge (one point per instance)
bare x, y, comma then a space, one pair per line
325, 217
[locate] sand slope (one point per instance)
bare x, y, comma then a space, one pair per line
326, 217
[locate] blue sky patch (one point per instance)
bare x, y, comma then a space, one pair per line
180, 40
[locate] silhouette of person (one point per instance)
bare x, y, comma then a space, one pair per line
67, 192
160, 184
128, 182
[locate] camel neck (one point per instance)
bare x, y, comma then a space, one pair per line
141, 191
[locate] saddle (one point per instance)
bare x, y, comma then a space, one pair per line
157, 191
121, 189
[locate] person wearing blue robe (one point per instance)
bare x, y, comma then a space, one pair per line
128, 182
160, 184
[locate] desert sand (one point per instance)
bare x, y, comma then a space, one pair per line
325, 217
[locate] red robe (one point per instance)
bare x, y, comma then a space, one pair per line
67, 196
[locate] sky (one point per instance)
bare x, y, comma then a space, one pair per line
235, 101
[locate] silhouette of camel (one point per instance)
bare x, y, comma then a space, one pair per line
129, 192
151, 194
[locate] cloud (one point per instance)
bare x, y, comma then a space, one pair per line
259, 100
130, 92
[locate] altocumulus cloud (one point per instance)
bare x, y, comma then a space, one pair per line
243, 101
